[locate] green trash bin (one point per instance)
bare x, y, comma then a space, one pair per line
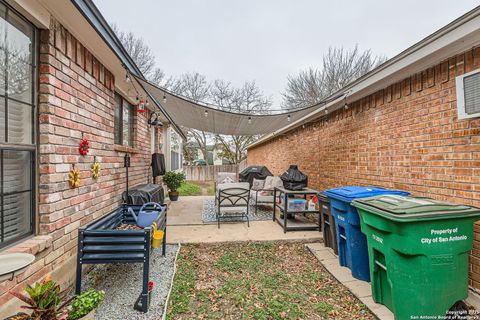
418, 252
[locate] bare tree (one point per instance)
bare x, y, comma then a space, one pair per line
246, 99
195, 87
141, 53
340, 67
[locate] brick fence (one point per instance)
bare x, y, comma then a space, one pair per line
406, 136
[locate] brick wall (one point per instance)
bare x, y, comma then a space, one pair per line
406, 136
76, 100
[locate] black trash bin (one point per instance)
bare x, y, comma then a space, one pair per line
254, 172
328, 223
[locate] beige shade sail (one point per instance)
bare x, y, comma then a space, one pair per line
207, 118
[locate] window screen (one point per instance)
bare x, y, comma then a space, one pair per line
471, 91
123, 121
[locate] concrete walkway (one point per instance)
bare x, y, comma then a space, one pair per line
359, 288
185, 226
258, 231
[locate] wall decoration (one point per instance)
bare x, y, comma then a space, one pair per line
84, 147
95, 168
74, 177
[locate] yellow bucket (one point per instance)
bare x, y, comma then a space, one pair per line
157, 237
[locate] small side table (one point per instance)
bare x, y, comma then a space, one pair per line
294, 225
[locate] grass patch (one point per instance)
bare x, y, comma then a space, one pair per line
211, 190
257, 281
197, 188
190, 189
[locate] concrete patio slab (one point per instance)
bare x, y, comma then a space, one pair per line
258, 231
186, 211
185, 226
360, 289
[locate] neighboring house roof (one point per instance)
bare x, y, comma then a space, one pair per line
94, 17
456, 37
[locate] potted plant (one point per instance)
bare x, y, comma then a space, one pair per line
84, 305
173, 180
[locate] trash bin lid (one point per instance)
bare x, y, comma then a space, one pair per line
350, 193
405, 208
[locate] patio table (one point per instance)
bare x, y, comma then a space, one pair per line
294, 224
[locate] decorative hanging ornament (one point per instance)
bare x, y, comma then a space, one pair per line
95, 169
141, 106
74, 177
84, 147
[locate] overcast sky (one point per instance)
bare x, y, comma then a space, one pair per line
266, 40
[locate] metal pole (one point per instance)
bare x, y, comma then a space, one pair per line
126, 163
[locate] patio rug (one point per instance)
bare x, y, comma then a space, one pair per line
208, 213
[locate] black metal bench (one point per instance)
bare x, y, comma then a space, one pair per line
100, 242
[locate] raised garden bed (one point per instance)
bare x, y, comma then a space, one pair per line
102, 242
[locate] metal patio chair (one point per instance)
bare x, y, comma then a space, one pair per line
231, 201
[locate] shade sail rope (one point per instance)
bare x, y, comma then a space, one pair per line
194, 115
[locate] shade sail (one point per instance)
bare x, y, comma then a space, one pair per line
202, 117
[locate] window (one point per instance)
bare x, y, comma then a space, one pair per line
123, 121
17, 126
468, 95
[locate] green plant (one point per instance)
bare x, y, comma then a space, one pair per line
211, 190
189, 189
45, 300
85, 303
174, 180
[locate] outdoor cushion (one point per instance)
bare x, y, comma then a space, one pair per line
277, 182
268, 183
226, 177
261, 198
258, 184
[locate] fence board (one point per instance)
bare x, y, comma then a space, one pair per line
207, 173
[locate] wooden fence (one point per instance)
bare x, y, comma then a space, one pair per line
207, 173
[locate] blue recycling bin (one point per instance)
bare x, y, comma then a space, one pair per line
351, 242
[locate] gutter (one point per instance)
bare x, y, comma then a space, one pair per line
359, 88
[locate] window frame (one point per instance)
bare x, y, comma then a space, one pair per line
118, 132
32, 148
460, 94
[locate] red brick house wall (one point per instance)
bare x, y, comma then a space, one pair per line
76, 100
406, 136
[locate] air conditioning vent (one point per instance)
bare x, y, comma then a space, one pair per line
468, 95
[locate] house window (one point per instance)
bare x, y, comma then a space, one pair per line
17, 126
123, 122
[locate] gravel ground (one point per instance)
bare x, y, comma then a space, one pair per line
122, 284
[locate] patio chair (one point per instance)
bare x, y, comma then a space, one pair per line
265, 196
231, 201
